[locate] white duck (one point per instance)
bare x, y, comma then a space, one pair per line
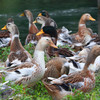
30, 72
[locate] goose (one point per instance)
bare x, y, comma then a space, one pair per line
29, 73
31, 37
17, 54
82, 80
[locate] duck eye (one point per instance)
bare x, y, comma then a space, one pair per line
38, 18
8, 24
47, 39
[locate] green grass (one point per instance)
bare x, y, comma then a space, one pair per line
38, 92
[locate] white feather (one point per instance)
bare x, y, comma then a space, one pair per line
96, 66
14, 76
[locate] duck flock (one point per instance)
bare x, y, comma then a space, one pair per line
69, 69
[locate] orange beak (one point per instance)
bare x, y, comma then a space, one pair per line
40, 14
41, 32
4, 28
92, 19
53, 45
22, 14
34, 22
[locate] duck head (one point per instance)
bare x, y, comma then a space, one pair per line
85, 17
41, 20
10, 20
49, 30
28, 14
44, 13
44, 42
12, 28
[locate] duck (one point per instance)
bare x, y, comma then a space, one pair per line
82, 29
17, 54
54, 67
82, 80
45, 21
58, 66
51, 32
5, 37
46, 14
29, 73
31, 37
63, 33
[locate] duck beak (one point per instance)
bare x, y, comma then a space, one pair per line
41, 32
40, 14
34, 22
22, 14
4, 28
53, 45
92, 19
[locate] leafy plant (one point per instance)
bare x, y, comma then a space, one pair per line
4, 52
66, 46
30, 48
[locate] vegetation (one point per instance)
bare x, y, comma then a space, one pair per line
38, 92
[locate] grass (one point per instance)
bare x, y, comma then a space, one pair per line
38, 92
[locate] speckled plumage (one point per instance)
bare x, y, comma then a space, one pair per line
29, 73
17, 51
82, 80
82, 29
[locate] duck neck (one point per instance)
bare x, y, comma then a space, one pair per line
32, 28
39, 55
39, 58
43, 24
15, 43
82, 23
